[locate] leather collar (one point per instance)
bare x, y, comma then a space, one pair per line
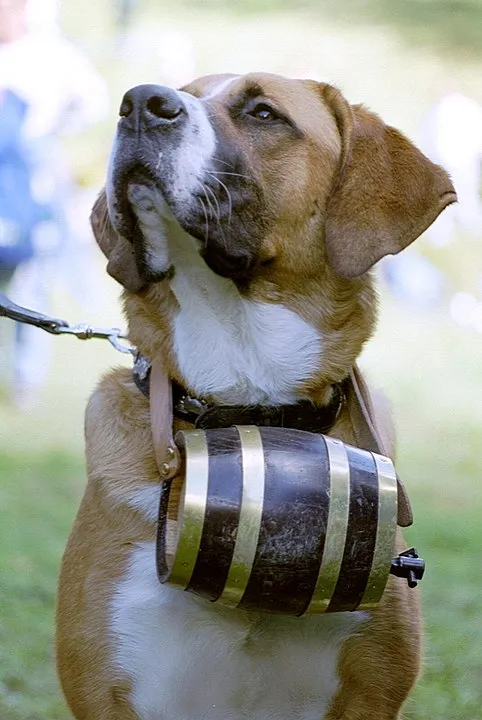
303, 415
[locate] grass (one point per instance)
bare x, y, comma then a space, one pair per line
38, 494
41, 482
432, 372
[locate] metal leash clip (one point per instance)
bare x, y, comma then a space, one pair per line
82, 331
56, 326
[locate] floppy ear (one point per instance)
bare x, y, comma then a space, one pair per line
122, 264
387, 193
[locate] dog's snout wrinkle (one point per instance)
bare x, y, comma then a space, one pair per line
151, 106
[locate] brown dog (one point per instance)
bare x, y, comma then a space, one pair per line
242, 216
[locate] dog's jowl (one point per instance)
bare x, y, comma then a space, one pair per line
242, 215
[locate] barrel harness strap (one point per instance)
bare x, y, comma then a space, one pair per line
167, 402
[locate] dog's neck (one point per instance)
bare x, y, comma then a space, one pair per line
231, 348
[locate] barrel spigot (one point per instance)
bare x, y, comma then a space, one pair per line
410, 566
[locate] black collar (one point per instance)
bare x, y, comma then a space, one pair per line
303, 415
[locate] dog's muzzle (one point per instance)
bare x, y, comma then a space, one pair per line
168, 142
153, 123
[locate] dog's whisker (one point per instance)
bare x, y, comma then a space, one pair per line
211, 208
213, 195
223, 162
226, 189
206, 221
218, 215
209, 204
232, 174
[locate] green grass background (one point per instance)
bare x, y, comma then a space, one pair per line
429, 367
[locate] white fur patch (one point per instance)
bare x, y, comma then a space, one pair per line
219, 87
190, 660
186, 163
145, 499
236, 349
194, 153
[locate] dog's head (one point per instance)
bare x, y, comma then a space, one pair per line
269, 175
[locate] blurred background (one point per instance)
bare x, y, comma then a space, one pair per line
63, 70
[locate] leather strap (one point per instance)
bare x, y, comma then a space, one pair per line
160, 399
361, 413
303, 415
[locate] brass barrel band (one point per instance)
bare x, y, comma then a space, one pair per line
221, 517
386, 530
293, 521
249, 516
278, 520
161, 549
329, 571
360, 543
195, 495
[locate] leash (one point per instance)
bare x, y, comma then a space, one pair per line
56, 326
167, 454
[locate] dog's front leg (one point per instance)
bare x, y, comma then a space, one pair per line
379, 664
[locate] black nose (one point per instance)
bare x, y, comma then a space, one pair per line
150, 106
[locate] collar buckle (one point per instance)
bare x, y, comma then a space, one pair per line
189, 405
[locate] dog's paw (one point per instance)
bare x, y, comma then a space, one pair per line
151, 212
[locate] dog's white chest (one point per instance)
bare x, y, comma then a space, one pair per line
241, 350
189, 660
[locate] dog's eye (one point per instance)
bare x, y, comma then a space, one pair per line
264, 113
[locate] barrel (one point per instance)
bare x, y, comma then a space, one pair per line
278, 520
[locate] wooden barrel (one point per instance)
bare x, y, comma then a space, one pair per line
278, 520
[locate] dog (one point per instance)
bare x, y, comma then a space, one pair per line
242, 215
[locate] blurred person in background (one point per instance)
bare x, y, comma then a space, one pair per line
20, 213
62, 93
451, 135
124, 12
